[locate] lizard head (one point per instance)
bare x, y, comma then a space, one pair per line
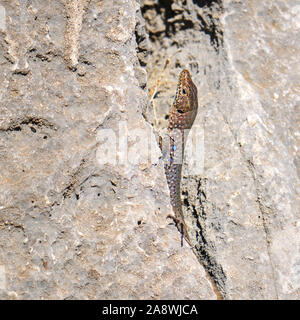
186, 99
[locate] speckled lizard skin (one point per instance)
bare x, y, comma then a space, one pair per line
181, 119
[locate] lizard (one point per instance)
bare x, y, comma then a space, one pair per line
182, 115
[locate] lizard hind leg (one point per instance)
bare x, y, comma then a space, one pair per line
181, 228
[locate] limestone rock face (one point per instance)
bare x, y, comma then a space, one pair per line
85, 87
71, 225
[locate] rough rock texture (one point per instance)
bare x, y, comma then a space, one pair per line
74, 227
243, 206
70, 226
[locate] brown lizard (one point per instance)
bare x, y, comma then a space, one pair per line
181, 119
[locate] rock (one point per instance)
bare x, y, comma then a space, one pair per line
241, 203
85, 87
71, 225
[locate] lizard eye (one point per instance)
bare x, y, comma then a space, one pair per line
180, 111
183, 91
